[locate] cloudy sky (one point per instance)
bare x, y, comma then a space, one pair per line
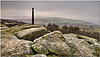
79, 10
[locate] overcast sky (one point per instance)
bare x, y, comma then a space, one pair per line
87, 11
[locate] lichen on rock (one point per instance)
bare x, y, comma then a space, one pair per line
71, 46
11, 45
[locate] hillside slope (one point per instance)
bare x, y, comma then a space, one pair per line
56, 20
61, 21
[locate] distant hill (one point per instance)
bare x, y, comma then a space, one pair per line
61, 21
56, 20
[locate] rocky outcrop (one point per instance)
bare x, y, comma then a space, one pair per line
11, 23
45, 44
65, 45
31, 33
11, 45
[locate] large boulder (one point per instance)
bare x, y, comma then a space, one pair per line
31, 33
11, 45
85, 46
65, 45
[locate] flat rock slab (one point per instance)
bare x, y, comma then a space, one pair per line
23, 27
31, 34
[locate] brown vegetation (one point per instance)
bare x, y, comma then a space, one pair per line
71, 29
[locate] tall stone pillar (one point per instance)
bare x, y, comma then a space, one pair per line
33, 16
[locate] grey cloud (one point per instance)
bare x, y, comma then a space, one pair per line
87, 11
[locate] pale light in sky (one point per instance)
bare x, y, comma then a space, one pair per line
87, 11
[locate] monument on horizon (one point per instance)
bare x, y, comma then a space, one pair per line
33, 16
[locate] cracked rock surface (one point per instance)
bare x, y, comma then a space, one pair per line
65, 44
